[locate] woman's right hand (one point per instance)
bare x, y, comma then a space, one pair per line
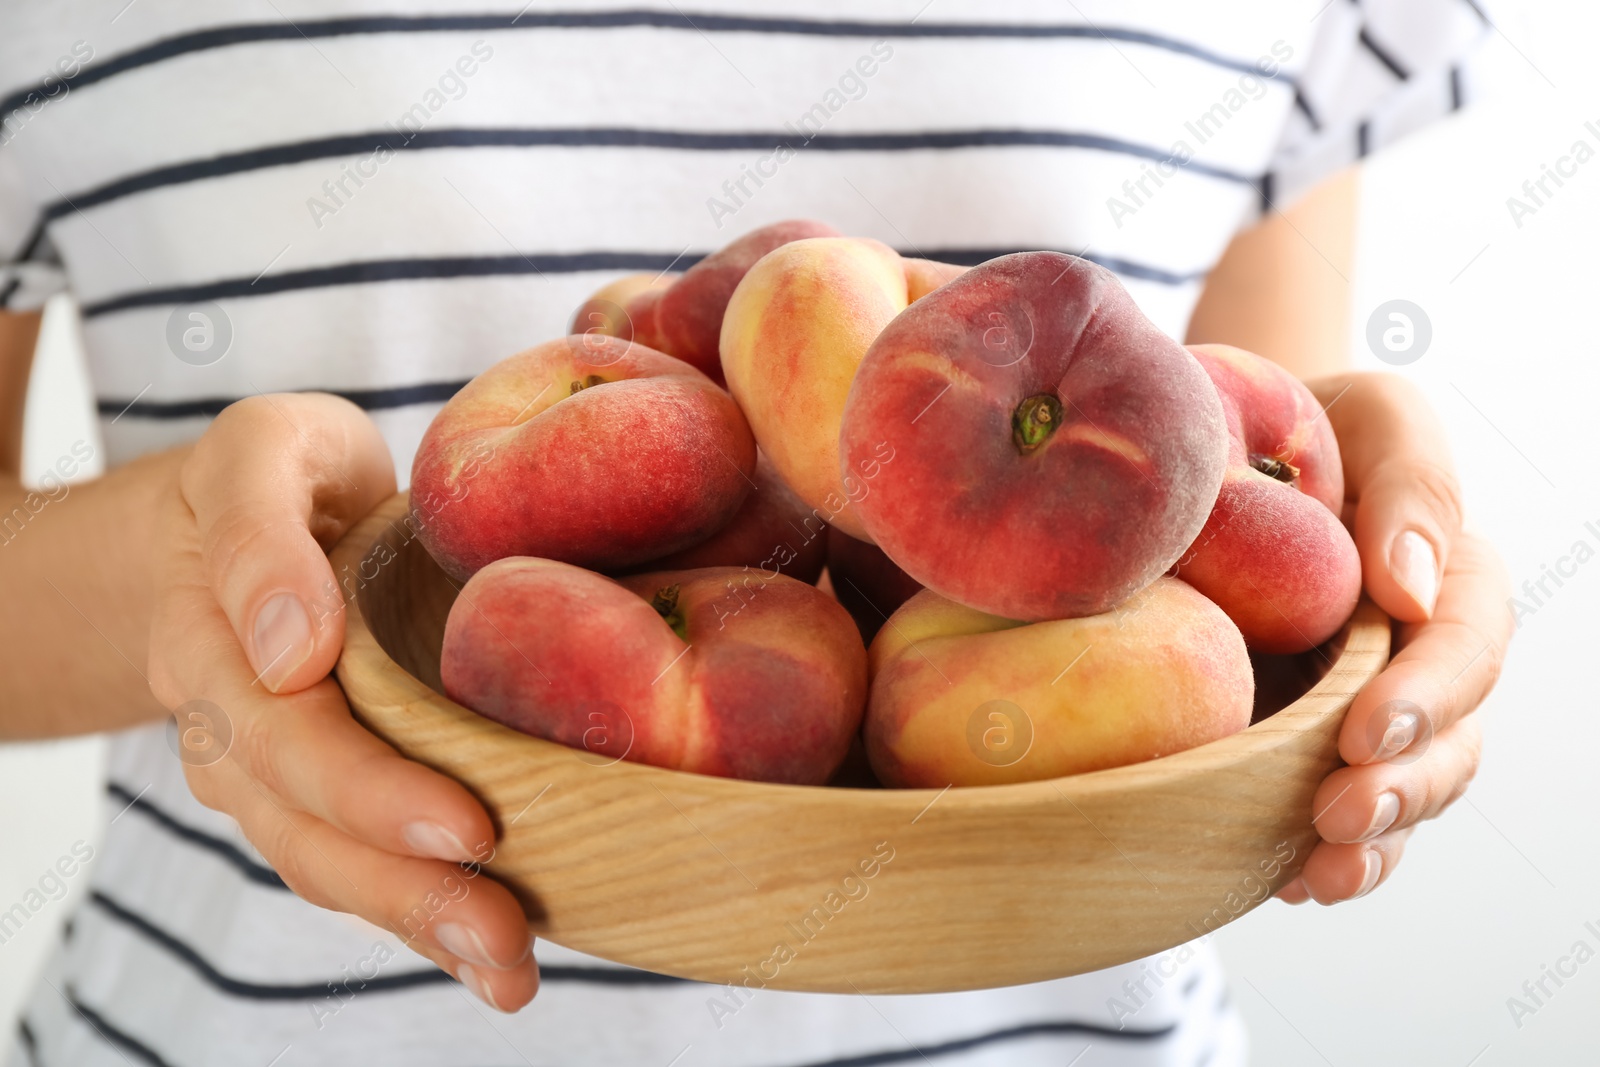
249, 618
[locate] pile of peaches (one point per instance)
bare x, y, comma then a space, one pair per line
812, 507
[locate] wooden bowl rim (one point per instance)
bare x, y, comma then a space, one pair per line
1359, 653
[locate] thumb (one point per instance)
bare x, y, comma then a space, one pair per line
273, 484
1400, 478
1408, 515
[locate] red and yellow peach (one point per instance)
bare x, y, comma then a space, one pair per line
1273, 553
715, 671
964, 698
590, 450
1054, 451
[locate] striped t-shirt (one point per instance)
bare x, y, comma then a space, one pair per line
380, 198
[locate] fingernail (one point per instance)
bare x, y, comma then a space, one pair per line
1415, 567
1384, 813
1374, 869
476, 986
1401, 731
282, 638
461, 940
432, 840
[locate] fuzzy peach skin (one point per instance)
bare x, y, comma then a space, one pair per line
796, 328
964, 698
773, 530
923, 276
869, 584
1053, 451
605, 312
1273, 554
590, 450
685, 318
715, 671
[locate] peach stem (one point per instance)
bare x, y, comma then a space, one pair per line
1035, 419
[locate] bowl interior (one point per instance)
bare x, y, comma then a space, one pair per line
417, 597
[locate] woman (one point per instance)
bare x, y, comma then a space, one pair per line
380, 202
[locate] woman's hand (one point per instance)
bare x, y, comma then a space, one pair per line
1410, 738
249, 618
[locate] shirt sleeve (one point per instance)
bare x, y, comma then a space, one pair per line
1376, 71
30, 270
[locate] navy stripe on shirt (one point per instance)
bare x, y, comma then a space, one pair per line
309, 30
1063, 1028
434, 267
235, 857
237, 987
615, 137
257, 990
114, 1035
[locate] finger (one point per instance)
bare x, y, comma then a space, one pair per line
304, 748
310, 752
1356, 804
1446, 667
272, 485
1336, 873
461, 919
507, 990
1399, 472
1295, 892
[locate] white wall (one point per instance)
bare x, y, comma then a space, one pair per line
1419, 973
50, 792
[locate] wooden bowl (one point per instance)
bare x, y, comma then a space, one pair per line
745, 882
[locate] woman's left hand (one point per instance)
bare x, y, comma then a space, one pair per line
1410, 738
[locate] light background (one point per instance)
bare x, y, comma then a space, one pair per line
1420, 972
